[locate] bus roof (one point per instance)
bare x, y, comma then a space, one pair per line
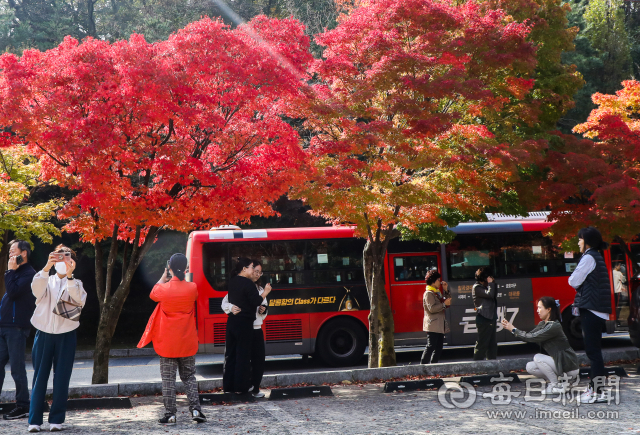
498, 223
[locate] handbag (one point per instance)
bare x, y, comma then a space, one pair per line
67, 308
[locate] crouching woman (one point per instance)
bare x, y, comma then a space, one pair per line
562, 360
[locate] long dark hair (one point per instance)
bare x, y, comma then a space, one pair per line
550, 304
241, 264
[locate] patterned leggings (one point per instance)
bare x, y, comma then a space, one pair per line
187, 369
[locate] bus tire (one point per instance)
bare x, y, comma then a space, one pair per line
572, 327
341, 342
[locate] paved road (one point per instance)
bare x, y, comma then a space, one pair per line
147, 369
356, 410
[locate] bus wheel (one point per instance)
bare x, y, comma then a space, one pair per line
341, 342
572, 327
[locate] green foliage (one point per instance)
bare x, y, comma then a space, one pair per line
607, 47
19, 177
436, 232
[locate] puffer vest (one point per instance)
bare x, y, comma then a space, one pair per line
595, 292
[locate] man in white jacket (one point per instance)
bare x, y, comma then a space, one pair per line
55, 341
257, 344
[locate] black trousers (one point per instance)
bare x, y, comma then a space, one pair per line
592, 327
237, 355
432, 351
487, 343
257, 359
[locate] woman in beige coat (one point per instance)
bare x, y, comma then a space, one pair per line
434, 323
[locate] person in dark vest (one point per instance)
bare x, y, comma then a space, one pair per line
16, 308
593, 304
486, 305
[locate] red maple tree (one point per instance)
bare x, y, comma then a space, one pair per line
595, 180
397, 128
180, 134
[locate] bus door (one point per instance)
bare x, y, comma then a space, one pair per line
620, 280
407, 285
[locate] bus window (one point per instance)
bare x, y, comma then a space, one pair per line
214, 265
531, 254
620, 279
467, 253
413, 268
335, 261
335, 254
282, 262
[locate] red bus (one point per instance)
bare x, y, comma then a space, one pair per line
320, 306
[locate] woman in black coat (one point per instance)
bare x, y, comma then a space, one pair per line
239, 333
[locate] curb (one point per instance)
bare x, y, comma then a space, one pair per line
113, 353
332, 377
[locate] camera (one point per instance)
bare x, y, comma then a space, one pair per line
60, 256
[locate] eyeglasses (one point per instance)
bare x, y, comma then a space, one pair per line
258, 273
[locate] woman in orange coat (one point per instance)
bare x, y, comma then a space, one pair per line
172, 329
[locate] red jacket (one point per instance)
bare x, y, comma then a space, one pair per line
172, 326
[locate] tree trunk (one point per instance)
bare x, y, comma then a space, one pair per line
91, 20
4, 259
381, 328
109, 315
111, 303
374, 325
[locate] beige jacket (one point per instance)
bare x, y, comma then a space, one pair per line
48, 290
434, 313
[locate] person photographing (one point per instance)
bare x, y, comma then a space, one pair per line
172, 329
59, 301
435, 301
561, 359
485, 302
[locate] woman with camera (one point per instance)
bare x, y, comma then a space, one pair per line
435, 301
239, 333
561, 358
172, 329
59, 301
485, 301
257, 343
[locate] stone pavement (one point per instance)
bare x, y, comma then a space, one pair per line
364, 409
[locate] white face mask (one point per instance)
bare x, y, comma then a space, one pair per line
61, 268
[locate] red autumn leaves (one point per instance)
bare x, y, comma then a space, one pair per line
178, 133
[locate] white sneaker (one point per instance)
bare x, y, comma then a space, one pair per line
559, 389
602, 397
589, 396
53, 427
34, 428
259, 395
549, 388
